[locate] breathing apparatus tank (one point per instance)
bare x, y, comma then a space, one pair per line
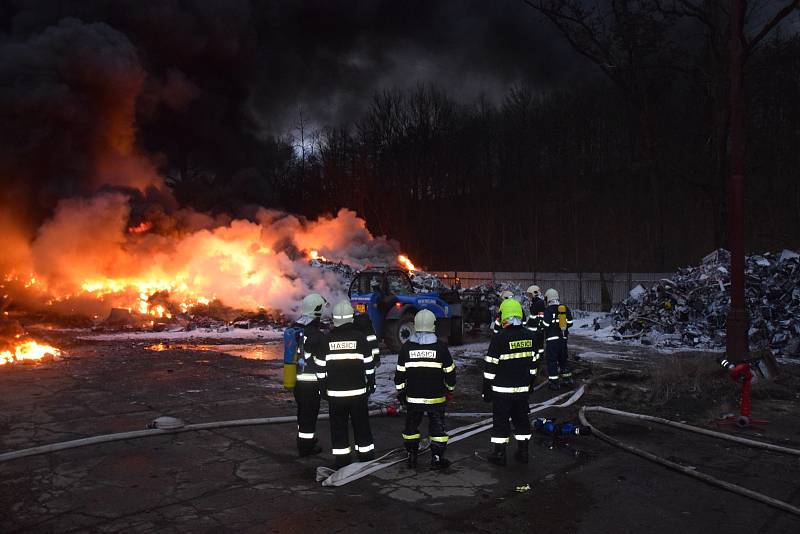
291, 350
562, 317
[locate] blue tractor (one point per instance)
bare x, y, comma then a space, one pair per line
388, 298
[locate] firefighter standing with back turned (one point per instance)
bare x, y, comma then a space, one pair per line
306, 389
425, 378
557, 321
508, 374
534, 322
346, 371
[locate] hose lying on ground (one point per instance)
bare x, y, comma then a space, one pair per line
689, 470
175, 426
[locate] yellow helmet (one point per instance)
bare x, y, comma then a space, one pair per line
510, 308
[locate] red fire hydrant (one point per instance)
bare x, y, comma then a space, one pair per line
741, 373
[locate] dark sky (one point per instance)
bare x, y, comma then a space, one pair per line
269, 58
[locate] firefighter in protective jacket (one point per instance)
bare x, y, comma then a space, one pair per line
346, 371
306, 390
509, 371
534, 322
557, 322
425, 379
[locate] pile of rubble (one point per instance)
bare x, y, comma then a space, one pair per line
690, 308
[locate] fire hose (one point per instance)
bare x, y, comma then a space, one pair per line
760, 497
160, 427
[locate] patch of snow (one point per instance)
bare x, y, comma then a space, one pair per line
200, 333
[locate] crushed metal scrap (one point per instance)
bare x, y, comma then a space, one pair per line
690, 307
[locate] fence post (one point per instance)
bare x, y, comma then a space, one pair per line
580, 291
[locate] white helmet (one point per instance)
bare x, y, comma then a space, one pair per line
312, 305
342, 313
507, 294
425, 321
534, 290
551, 295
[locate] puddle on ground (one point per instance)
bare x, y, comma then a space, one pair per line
562, 445
261, 351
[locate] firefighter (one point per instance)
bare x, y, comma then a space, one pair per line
306, 390
425, 379
346, 371
534, 322
497, 324
557, 321
509, 371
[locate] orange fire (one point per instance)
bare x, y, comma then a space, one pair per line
140, 228
406, 263
27, 351
87, 258
314, 255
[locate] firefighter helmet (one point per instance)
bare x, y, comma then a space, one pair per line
424, 321
534, 290
506, 295
312, 305
551, 295
342, 313
510, 308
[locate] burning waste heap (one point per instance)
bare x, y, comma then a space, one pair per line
690, 308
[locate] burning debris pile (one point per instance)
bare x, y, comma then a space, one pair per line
15, 344
690, 308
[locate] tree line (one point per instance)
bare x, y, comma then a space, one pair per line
623, 171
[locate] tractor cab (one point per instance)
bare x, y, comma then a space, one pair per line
387, 296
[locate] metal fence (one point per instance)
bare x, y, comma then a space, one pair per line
582, 291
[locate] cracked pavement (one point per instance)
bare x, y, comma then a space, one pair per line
250, 479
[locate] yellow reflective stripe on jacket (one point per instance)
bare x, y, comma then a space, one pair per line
501, 389
450, 369
515, 355
344, 356
489, 359
347, 393
417, 400
435, 365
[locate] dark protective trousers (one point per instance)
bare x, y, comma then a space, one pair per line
353, 410
556, 353
538, 342
306, 395
436, 430
513, 407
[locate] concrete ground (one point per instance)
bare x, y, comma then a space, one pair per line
250, 479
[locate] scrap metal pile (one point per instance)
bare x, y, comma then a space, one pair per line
690, 308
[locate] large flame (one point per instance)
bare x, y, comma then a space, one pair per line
27, 351
88, 254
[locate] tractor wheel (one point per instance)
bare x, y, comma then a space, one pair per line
398, 331
456, 331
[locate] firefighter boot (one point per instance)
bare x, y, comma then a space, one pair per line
566, 379
307, 447
341, 460
522, 452
498, 456
553, 384
438, 461
413, 450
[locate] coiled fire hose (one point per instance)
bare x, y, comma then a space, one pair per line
760, 497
